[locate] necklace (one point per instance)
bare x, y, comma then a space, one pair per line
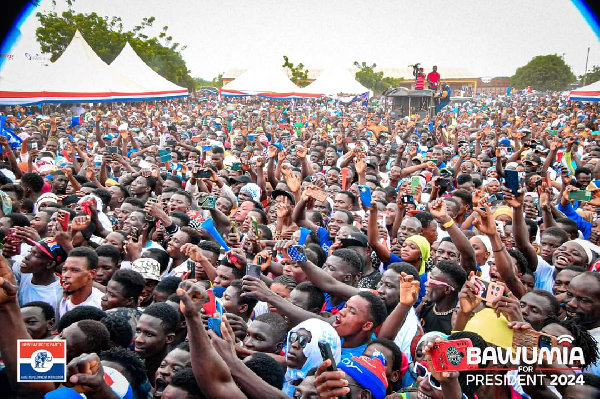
441, 313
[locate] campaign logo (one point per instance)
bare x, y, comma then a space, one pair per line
41, 360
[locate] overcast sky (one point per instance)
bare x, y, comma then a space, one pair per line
491, 38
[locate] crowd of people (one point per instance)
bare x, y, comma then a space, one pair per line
243, 247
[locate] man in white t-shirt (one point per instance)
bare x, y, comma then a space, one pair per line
77, 278
36, 275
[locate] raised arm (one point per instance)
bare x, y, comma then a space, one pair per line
399, 217
323, 280
299, 213
13, 329
409, 293
467, 254
257, 289
520, 230
373, 236
98, 132
250, 383
211, 372
486, 224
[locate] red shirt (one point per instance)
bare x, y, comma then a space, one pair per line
433, 77
420, 84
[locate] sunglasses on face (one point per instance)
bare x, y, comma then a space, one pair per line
422, 372
302, 340
436, 283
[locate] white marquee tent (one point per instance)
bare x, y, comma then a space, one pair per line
587, 93
264, 81
78, 75
335, 81
130, 65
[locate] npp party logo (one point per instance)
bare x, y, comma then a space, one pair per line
41, 360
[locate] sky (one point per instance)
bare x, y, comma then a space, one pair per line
490, 38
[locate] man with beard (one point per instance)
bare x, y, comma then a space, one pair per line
118, 195
154, 332
582, 298
177, 359
77, 278
340, 218
36, 277
59, 183
389, 289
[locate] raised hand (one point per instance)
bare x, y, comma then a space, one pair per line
468, 297
293, 182
80, 222
437, 208
192, 296
193, 252
484, 221
86, 375
409, 289
301, 152
511, 200
281, 155
361, 165
330, 384
510, 306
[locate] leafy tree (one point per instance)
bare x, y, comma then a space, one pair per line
544, 72
593, 76
372, 80
299, 74
216, 82
107, 37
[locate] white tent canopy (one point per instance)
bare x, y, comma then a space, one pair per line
78, 75
590, 92
81, 72
130, 65
262, 80
334, 81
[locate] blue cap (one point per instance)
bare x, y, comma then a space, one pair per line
63, 393
505, 142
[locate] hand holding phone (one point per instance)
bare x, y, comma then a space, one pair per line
451, 355
63, 217
512, 181
365, 195
326, 354
487, 290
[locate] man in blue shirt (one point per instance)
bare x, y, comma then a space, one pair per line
327, 235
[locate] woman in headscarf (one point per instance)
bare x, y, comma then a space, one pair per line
503, 214
483, 249
302, 350
415, 251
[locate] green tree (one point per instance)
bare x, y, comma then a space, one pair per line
372, 80
544, 72
299, 74
592, 76
216, 82
107, 37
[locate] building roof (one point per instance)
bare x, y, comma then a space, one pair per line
406, 73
